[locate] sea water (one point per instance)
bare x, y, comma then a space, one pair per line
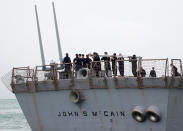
11, 116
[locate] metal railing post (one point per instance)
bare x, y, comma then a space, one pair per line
139, 67
172, 69
73, 69
181, 71
115, 69
12, 79
105, 69
166, 67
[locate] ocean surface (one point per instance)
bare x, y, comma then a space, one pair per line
11, 116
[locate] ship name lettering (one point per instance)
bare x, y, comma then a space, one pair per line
85, 113
105, 113
92, 113
122, 113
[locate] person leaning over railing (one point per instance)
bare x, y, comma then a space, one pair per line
121, 65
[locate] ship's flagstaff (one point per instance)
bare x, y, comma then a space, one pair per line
57, 34
40, 38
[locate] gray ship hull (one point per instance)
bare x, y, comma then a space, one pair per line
105, 105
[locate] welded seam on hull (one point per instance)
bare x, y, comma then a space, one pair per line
166, 82
102, 127
167, 110
180, 82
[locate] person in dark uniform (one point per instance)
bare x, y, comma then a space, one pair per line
75, 59
107, 65
88, 62
133, 60
96, 65
121, 65
174, 70
79, 56
152, 72
68, 65
83, 60
113, 59
142, 72
77, 62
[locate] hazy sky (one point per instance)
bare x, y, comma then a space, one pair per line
149, 28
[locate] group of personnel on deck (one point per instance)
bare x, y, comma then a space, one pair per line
80, 61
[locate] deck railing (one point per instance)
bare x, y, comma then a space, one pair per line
96, 69
22, 75
160, 66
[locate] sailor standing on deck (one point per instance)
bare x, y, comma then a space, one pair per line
88, 62
107, 65
113, 59
133, 60
96, 65
83, 61
68, 65
152, 73
175, 70
121, 65
77, 62
142, 72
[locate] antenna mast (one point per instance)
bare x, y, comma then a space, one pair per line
57, 34
40, 38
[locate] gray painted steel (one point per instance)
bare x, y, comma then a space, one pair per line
48, 107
